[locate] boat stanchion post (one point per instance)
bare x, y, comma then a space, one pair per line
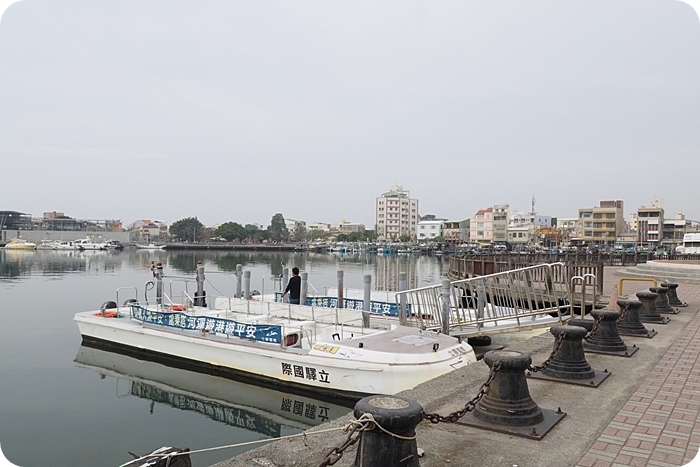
199, 299
304, 289
246, 285
239, 279
285, 281
673, 299
393, 440
341, 286
445, 303
367, 300
507, 407
631, 324
662, 301
568, 364
604, 338
158, 274
648, 312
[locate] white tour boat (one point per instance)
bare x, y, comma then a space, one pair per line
328, 351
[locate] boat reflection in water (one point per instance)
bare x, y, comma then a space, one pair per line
243, 405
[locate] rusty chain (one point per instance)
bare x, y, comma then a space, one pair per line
623, 312
555, 350
594, 329
469, 406
336, 453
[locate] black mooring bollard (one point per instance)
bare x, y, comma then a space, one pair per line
396, 415
648, 313
631, 324
569, 364
606, 339
507, 406
673, 299
662, 303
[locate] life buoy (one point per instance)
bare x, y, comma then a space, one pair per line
177, 307
108, 314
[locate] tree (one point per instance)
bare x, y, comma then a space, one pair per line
231, 231
189, 229
299, 233
278, 228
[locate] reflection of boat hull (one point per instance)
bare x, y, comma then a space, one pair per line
231, 402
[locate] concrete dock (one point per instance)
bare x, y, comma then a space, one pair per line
646, 413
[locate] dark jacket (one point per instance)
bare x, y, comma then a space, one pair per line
294, 287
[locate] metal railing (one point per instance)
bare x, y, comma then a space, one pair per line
519, 299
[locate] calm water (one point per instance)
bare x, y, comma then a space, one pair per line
66, 405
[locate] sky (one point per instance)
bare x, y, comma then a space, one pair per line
233, 111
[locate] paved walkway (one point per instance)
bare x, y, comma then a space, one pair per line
660, 423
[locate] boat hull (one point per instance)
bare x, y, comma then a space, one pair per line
334, 368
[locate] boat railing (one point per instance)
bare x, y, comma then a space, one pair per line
508, 301
184, 280
133, 299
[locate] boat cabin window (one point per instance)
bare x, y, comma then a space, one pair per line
291, 340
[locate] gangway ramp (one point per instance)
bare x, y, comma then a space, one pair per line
510, 301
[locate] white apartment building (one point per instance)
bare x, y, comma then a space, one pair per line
429, 228
396, 214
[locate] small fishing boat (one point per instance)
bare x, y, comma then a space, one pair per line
325, 351
150, 246
89, 244
20, 244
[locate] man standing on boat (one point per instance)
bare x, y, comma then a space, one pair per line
293, 287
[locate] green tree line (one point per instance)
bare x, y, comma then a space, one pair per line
191, 229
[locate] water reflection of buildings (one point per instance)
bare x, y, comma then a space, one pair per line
235, 403
420, 270
14, 263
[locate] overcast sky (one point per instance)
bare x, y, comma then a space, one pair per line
238, 110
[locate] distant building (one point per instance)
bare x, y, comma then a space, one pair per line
429, 228
481, 227
674, 229
650, 221
500, 223
349, 227
57, 226
147, 230
520, 235
318, 227
568, 227
456, 231
601, 225
520, 218
396, 214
